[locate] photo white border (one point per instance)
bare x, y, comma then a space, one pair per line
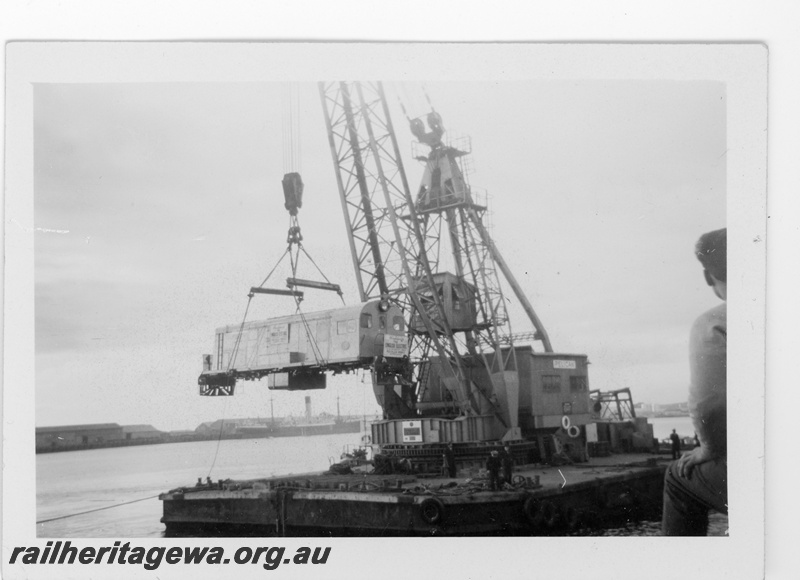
742, 67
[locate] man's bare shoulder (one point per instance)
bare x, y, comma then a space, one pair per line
711, 323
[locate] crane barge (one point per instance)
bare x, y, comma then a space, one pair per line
465, 377
434, 329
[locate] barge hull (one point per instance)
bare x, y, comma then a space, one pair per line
568, 500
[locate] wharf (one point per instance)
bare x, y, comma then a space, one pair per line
543, 500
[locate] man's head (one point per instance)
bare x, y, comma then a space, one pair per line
712, 251
495, 454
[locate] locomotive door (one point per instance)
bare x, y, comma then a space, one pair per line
379, 332
321, 330
344, 337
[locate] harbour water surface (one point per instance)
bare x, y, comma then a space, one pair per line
78, 481
74, 482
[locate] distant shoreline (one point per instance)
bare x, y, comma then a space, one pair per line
308, 430
144, 441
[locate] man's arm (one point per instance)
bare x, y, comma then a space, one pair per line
708, 390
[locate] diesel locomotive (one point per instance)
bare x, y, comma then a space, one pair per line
295, 351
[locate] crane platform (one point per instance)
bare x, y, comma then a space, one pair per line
542, 500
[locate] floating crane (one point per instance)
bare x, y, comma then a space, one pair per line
445, 363
466, 364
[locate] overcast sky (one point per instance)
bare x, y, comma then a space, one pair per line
159, 205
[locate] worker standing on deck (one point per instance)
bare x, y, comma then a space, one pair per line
698, 481
507, 461
676, 445
493, 465
449, 457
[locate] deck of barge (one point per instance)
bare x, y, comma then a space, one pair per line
544, 500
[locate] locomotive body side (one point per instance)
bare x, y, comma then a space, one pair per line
340, 337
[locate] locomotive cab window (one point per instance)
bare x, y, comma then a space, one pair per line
346, 327
382, 321
397, 323
366, 320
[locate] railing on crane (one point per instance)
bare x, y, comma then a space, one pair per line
614, 405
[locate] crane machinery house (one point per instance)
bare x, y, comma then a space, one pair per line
552, 393
458, 301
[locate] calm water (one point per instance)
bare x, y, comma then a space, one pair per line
663, 426
78, 481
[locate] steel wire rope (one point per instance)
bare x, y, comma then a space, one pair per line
219, 437
297, 135
285, 131
234, 354
290, 128
108, 507
290, 125
341, 295
312, 340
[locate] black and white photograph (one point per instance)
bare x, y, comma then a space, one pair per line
331, 306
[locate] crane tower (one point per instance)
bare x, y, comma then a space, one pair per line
463, 361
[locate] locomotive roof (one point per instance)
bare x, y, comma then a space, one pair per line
342, 311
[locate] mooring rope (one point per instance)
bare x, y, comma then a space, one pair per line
219, 438
108, 507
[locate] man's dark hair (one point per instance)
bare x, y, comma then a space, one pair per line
712, 251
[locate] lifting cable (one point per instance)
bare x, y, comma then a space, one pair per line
235, 351
311, 339
321, 272
411, 100
291, 163
294, 261
290, 125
